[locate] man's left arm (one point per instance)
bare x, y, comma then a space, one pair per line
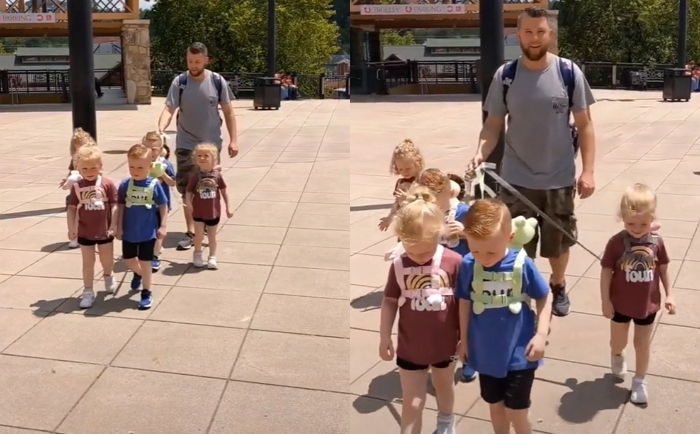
581, 108
230, 118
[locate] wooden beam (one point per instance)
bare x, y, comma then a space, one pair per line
3, 5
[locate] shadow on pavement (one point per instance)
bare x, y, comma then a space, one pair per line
370, 301
586, 399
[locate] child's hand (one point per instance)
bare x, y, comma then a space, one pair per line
400, 195
670, 305
384, 223
462, 351
535, 349
162, 232
655, 227
229, 213
608, 310
62, 183
386, 349
453, 229
72, 235
111, 231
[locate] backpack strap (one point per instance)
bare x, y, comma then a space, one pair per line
566, 68
181, 85
507, 77
218, 83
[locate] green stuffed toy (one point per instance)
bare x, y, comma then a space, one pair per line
523, 231
157, 169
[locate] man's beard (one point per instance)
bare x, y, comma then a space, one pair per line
532, 54
196, 73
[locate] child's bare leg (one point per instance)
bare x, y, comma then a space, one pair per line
158, 248
443, 381
520, 421
642, 343
88, 254
619, 332
106, 252
211, 237
198, 236
499, 418
414, 387
134, 265
146, 274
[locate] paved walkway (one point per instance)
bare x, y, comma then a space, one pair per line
640, 139
259, 346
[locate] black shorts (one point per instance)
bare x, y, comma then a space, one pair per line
410, 366
144, 250
212, 222
513, 390
86, 242
618, 317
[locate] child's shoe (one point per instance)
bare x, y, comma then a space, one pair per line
109, 284
639, 391
155, 264
73, 244
468, 374
146, 300
87, 299
618, 365
445, 425
135, 282
198, 260
211, 263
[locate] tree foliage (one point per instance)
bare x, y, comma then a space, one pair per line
392, 37
640, 31
235, 31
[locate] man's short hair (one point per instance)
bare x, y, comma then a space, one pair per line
535, 13
198, 48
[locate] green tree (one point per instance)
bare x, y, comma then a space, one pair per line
392, 37
235, 31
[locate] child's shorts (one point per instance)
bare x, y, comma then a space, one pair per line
410, 366
86, 242
212, 222
513, 390
618, 317
144, 250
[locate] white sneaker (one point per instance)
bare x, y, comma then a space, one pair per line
618, 365
87, 299
211, 263
109, 284
198, 260
73, 244
639, 391
445, 425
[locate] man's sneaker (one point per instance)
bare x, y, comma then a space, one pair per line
146, 300
198, 260
73, 244
186, 243
135, 282
445, 425
211, 263
639, 391
87, 299
618, 365
468, 374
109, 284
560, 304
155, 264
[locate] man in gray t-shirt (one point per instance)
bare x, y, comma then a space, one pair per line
197, 93
539, 155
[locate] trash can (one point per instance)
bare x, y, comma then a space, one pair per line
676, 84
268, 93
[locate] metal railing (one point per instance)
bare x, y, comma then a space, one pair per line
393, 74
624, 75
51, 81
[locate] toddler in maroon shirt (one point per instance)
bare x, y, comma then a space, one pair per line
634, 264
205, 189
92, 204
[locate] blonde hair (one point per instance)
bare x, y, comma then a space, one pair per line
486, 217
406, 149
207, 147
152, 136
79, 139
138, 151
637, 199
434, 179
419, 219
87, 153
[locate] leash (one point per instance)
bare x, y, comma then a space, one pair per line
490, 168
